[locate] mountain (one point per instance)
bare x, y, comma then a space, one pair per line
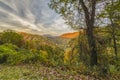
70, 35
54, 41
73, 35
37, 39
63, 40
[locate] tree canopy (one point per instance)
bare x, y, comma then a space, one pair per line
10, 36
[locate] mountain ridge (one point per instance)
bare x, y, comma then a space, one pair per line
72, 34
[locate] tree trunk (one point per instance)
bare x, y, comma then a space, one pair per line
92, 46
90, 19
115, 44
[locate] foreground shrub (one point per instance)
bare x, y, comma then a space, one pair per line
11, 54
6, 51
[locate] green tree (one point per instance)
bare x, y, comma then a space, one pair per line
78, 13
113, 14
10, 36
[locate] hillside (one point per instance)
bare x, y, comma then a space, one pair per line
41, 40
58, 41
54, 41
72, 35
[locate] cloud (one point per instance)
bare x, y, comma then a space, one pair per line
60, 26
32, 16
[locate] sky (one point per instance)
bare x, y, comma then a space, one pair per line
32, 16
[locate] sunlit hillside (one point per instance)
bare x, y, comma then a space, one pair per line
40, 39
72, 35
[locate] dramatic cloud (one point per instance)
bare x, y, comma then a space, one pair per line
32, 16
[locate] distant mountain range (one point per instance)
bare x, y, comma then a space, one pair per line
55, 41
58, 41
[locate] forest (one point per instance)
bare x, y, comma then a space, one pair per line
92, 54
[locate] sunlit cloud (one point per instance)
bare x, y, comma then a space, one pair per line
33, 16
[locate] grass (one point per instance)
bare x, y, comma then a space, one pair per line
19, 73
38, 72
